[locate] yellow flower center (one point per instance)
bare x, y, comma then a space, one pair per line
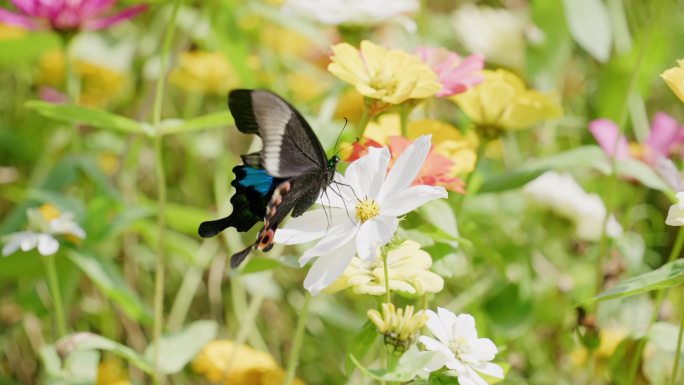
367, 209
49, 212
382, 82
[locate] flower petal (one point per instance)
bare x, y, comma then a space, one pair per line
13, 243
47, 245
436, 328
606, 133
490, 369
367, 173
128, 13
373, 234
437, 346
330, 242
310, 226
406, 168
665, 134
411, 198
328, 268
11, 18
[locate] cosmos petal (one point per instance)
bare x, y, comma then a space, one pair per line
330, 242
310, 226
411, 198
327, 268
406, 168
373, 234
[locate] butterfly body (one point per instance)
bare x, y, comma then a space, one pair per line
287, 175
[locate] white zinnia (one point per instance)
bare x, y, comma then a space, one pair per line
354, 12
498, 34
564, 196
364, 206
459, 348
44, 223
675, 216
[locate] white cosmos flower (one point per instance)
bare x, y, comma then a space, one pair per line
44, 223
354, 12
362, 213
459, 349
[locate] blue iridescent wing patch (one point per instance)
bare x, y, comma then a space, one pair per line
255, 178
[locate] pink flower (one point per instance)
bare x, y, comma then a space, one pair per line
66, 15
455, 74
665, 138
436, 170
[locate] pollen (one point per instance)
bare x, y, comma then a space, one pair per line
49, 212
367, 209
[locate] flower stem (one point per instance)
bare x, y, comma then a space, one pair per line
299, 337
385, 268
674, 254
53, 283
678, 347
404, 111
363, 121
161, 193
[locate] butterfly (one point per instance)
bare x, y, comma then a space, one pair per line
288, 175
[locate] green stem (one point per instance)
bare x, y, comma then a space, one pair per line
660, 297
72, 85
385, 268
299, 337
363, 121
678, 347
161, 193
53, 283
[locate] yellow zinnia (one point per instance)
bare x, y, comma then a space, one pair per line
674, 77
225, 362
503, 102
408, 268
391, 76
204, 73
112, 372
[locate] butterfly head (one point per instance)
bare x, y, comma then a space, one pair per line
332, 162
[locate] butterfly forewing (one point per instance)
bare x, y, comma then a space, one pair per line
290, 147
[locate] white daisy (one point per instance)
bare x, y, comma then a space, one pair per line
459, 348
354, 12
362, 213
44, 223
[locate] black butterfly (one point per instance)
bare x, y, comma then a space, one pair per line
288, 174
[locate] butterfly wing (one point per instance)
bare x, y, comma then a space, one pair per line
290, 146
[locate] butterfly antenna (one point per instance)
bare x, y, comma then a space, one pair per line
337, 141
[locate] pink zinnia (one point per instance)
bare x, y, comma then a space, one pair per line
455, 74
66, 15
666, 137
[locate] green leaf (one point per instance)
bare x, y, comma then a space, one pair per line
177, 349
109, 280
580, 157
360, 345
410, 364
217, 119
69, 113
589, 25
91, 341
668, 275
643, 173
15, 52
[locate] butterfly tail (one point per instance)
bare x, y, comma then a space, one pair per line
209, 229
240, 256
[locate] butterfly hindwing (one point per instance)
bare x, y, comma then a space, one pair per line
290, 147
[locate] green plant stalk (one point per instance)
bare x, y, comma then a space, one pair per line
385, 268
404, 111
53, 283
363, 121
299, 338
161, 193
72, 84
678, 347
660, 297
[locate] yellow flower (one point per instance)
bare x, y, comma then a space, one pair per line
224, 362
307, 85
674, 77
408, 268
399, 326
112, 372
350, 105
503, 102
391, 76
8, 32
99, 85
609, 339
204, 73
447, 140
